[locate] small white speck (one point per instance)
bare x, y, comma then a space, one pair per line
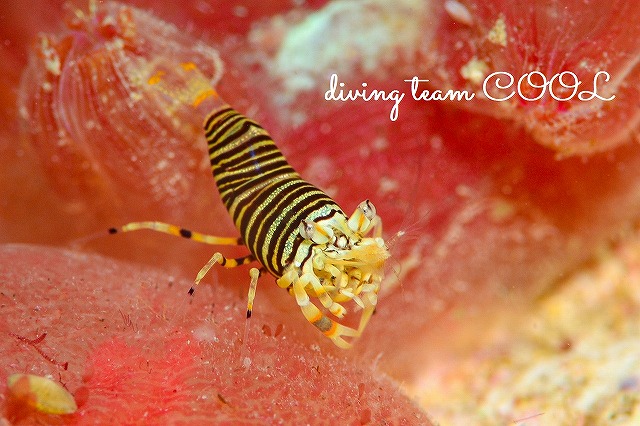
436, 142
463, 191
205, 333
474, 71
498, 34
380, 143
240, 11
204, 7
24, 112
386, 185
458, 12
162, 164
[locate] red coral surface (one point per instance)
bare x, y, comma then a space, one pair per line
121, 341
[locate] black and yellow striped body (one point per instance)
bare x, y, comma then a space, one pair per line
331, 264
264, 195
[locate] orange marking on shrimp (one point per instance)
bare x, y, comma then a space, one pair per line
332, 331
316, 318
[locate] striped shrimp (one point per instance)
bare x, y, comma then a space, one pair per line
322, 257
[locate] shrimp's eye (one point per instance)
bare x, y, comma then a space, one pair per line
307, 230
368, 209
310, 230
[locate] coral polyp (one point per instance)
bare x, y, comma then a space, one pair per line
86, 95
